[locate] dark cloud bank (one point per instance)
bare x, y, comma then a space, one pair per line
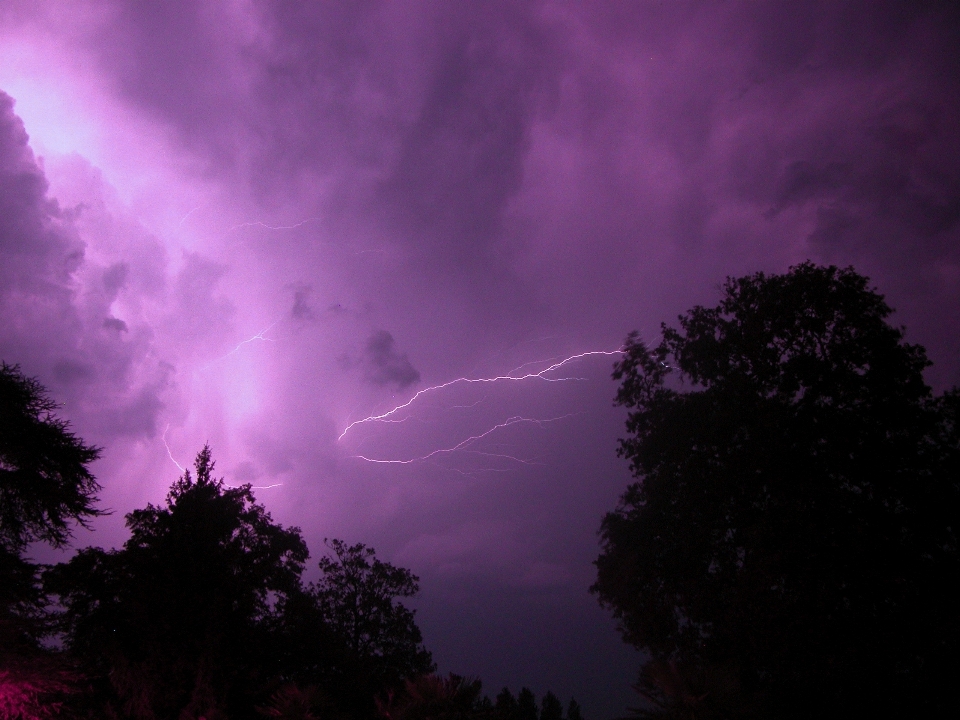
509, 148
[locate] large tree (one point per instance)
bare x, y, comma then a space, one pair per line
359, 596
181, 619
790, 545
45, 485
358, 600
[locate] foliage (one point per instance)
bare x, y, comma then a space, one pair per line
44, 486
505, 706
202, 612
527, 705
793, 526
688, 692
293, 703
524, 706
36, 688
432, 697
179, 619
357, 600
550, 707
44, 480
21, 601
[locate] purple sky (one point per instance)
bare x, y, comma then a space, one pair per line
254, 223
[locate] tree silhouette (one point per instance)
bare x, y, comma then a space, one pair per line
348, 633
793, 528
293, 703
45, 485
550, 707
505, 706
432, 697
179, 619
527, 705
44, 480
358, 599
21, 602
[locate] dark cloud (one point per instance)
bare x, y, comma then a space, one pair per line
136, 416
385, 364
301, 307
114, 278
115, 324
420, 114
56, 303
40, 251
304, 309
461, 160
245, 472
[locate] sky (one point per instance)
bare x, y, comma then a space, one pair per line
315, 235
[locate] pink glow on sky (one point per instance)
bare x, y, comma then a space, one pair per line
276, 220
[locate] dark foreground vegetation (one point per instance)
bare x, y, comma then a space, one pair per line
788, 550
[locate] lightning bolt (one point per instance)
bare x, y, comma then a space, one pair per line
259, 336
257, 223
510, 376
463, 445
181, 469
256, 487
184, 218
170, 454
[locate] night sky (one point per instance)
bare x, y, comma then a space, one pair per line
257, 223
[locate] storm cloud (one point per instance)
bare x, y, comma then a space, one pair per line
386, 364
56, 303
236, 199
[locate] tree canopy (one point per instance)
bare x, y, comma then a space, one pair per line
179, 618
431, 697
358, 598
790, 539
45, 483
203, 612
